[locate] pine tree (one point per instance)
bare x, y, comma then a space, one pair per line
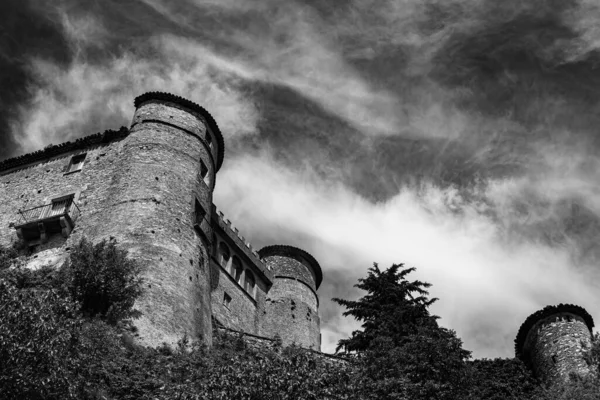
405, 353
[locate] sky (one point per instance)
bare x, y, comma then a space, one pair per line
455, 136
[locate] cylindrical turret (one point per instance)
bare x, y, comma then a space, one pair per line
159, 210
292, 304
552, 342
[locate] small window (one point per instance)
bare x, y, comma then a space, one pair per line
224, 255
199, 213
236, 269
250, 283
204, 175
76, 163
226, 300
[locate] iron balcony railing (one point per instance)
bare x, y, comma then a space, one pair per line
56, 208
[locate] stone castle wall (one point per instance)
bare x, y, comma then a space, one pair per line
150, 187
557, 347
292, 304
35, 184
152, 214
243, 311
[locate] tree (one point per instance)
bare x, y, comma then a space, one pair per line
405, 354
103, 280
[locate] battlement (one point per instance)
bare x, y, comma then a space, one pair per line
150, 186
218, 219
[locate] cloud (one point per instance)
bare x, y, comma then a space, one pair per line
478, 118
286, 44
85, 97
487, 285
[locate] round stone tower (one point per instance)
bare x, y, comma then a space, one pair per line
552, 342
292, 304
159, 210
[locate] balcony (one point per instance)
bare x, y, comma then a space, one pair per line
36, 224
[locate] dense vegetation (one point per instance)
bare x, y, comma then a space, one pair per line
65, 333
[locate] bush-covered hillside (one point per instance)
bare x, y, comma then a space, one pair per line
66, 334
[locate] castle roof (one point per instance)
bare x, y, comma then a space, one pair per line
295, 253
55, 150
546, 312
190, 105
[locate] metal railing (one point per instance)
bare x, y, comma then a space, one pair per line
56, 208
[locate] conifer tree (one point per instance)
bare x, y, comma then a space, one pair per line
404, 352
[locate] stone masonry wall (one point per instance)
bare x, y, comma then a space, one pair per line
292, 304
289, 287
39, 183
151, 214
287, 266
243, 312
263, 343
293, 321
558, 343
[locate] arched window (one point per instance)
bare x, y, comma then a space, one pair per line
236, 269
224, 255
250, 283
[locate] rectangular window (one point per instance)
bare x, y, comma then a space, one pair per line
199, 213
204, 173
76, 163
226, 300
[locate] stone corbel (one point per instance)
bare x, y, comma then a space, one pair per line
43, 234
66, 226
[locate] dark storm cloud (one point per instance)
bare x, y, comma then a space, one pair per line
458, 136
25, 30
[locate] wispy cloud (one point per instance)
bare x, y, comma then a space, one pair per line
427, 88
480, 278
85, 97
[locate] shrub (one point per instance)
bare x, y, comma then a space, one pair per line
103, 280
7, 257
38, 334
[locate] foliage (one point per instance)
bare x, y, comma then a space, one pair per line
103, 280
46, 277
389, 308
7, 257
38, 332
403, 351
56, 344
501, 379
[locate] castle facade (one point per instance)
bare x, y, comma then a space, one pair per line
151, 188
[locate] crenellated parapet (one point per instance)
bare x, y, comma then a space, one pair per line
224, 225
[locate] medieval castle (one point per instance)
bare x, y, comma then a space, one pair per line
151, 187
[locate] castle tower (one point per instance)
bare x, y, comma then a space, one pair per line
552, 341
292, 303
159, 210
